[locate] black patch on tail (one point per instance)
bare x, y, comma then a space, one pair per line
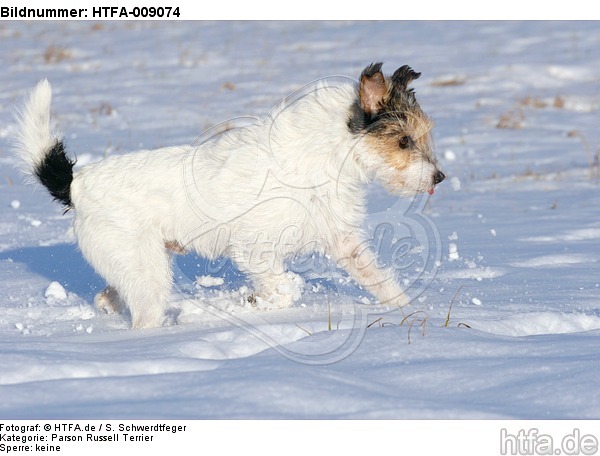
55, 172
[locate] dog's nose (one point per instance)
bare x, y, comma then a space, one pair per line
438, 177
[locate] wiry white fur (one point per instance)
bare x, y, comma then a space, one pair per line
287, 184
34, 137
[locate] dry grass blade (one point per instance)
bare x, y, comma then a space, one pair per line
586, 146
371, 324
422, 322
305, 330
450, 308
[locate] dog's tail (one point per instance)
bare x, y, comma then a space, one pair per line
40, 152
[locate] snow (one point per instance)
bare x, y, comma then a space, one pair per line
55, 291
453, 252
209, 281
516, 112
455, 183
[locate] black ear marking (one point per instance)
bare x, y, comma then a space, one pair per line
371, 70
403, 76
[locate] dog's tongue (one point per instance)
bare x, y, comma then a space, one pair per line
430, 191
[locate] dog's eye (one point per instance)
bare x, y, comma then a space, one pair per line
404, 142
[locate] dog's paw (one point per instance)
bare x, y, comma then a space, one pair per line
279, 292
290, 286
108, 301
393, 297
270, 301
399, 301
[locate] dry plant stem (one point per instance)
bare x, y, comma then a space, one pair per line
450, 308
423, 322
371, 324
305, 330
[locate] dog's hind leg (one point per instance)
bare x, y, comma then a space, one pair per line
145, 284
137, 267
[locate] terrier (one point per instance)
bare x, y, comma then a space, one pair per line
295, 181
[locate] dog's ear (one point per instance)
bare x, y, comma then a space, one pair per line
403, 76
373, 89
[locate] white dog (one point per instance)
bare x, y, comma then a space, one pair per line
289, 184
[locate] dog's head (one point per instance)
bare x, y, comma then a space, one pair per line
394, 132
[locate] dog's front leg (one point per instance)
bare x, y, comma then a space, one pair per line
358, 259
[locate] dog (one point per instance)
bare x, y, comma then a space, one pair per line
288, 184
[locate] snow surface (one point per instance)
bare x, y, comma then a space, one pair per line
509, 245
